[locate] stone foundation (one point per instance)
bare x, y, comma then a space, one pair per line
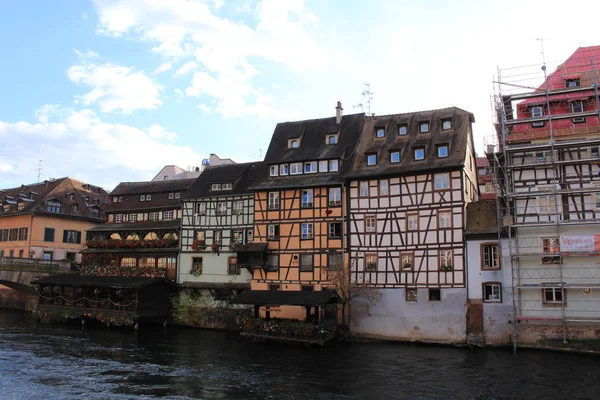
12, 299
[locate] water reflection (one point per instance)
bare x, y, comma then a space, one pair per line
58, 361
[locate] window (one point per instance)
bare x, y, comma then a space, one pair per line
273, 265
178, 195
237, 237
273, 232
384, 187
284, 169
402, 130
407, 261
274, 201
148, 197
370, 224
411, 294
442, 151
71, 236
167, 215
119, 218
419, 153
492, 292
550, 246
199, 236
571, 83
115, 199
335, 230
444, 220
133, 218
333, 165
435, 295
274, 171
75, 207
238, 207
306, 230
215, 186
310, 167
295, 169
23, 233
153, 216
553, 296
307, 198
46, 255
332, 139
217, 236
546, 202
537, 111
577, 106
323, 165
201, 208
364, 189
412, 222
595, 152
232, 266
334, 261
335, 197
172, 195
446, 124
306, 262
53, 206
394, 157
379, 132
249, 235
490, 256
294, 144
424, 127
370, 262
489, 187
197, 265
371, 159
442, 181
445, 260
222, 208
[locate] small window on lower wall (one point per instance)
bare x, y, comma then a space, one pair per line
307, 288
435, 295
492, 292
232, 266
196, 266
554, 297
411, 294
306, 262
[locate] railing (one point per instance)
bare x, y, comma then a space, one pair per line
34, 265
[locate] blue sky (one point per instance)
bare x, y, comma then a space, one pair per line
107, 91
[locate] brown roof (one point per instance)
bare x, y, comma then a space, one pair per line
482, 218
159, 192
76, 199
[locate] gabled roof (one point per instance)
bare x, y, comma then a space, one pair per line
35, 197
178, 185
457, 139
312, 138
578, 65
242, 176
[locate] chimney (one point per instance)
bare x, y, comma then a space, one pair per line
490, 149
197, 169
338, 113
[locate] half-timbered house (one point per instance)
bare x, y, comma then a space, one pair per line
299, 215
141, 236
218, 221
411, 177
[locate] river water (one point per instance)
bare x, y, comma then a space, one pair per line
40, 361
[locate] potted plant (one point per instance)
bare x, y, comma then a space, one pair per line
446, 268
198, 245
215, 248
371, 266
196, 271
407, 265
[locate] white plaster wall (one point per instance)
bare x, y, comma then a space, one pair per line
214, 268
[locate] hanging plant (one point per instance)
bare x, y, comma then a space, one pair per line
215, 248
198, 245
446, 268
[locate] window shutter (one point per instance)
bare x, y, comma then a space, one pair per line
78, 236
65, 236
49, 235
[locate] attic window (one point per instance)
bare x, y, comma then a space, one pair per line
75, 207
442, 151
537, 111
215, 186
273, 169
446, 124
171, 196
379, 132
424, 127
226, 186
293, 144
394, 157
53, 206
332, 139
571, 83
178, 195
402, 130
577, 106
70, 196
371, 159
419, 153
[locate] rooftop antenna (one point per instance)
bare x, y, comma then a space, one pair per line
258, 154
541, 40
39, 170
369, 96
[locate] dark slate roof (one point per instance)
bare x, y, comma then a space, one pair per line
312, 135
457, 139
300, 181
178, 185
252, 247
34, 198
135, 282
159, 191
285, 297
482, 218
138, 226
241, 175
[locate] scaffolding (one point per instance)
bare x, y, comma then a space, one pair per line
546, 170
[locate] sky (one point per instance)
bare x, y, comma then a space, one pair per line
106, 91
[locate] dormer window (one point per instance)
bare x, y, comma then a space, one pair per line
332, 139
446, 124
402, 130
424, 127
284, 169
227, 186
75, 207
273, 170
71, 196
293, 144
577, 106
20, 206
53, 206
394, 157
310, 167
142, 197
379, 132
571, 83
537, 111
95, 212
442, 151
177, 195
216, 186
419, 153
171, 196
371, 159
333, 165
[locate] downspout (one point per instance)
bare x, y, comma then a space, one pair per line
346, 227
30, 235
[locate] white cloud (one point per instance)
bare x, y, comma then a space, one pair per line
185, 68
158, 132
164, 67
225, 49
5, 167
115, 88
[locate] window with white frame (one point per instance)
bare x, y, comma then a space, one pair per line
215, 186
363, 189
273, 170
537, 111
445, 220
284, 169
238, 207
492, 292
272, 232
323, 164
553, 296
273, 200
227, 186
153, 216
442, 181
446, 124
295, 169
177, 195
53, 206
402, 130
237, 237
334, 165
370, 224
489, 187
577, 106
201, 208
384, 187
546, 201
419, 153
551, 250
412, 222
142, 197
407, 261
119, 218
133, 217
371, 159
167, 215
306, 230
442, 151
335, 197
171, 196
310, 167
221, 208
445, 260
424, 127
490, 256
307, 198
394, 157
379, 132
